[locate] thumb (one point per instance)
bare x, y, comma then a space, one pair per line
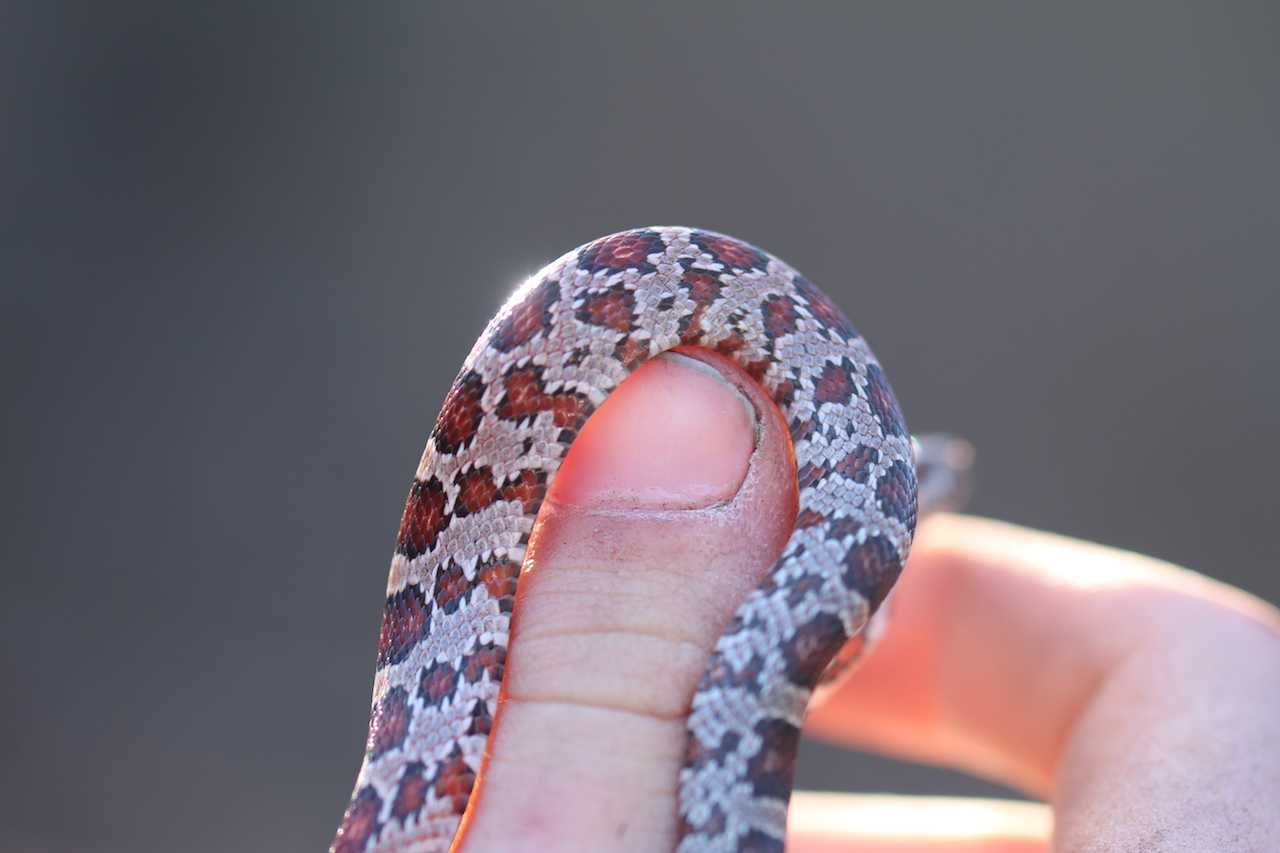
675, 500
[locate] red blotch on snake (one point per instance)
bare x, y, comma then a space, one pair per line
424, 518
835, 385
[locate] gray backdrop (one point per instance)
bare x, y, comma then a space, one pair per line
245, 249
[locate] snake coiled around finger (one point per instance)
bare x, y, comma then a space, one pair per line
564, 340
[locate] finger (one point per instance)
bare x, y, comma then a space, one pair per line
675, 500
1141, 698
879, 823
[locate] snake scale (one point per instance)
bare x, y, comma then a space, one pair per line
563, 341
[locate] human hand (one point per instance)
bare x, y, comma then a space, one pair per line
1141, 700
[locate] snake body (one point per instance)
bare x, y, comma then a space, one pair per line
563, 341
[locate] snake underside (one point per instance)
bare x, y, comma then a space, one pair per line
564, 340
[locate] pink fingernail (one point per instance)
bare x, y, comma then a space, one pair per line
675, 435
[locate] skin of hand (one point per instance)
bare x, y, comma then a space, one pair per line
1142, 701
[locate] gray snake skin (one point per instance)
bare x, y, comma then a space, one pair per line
563, 341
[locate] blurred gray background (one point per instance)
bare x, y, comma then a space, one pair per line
244, 250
